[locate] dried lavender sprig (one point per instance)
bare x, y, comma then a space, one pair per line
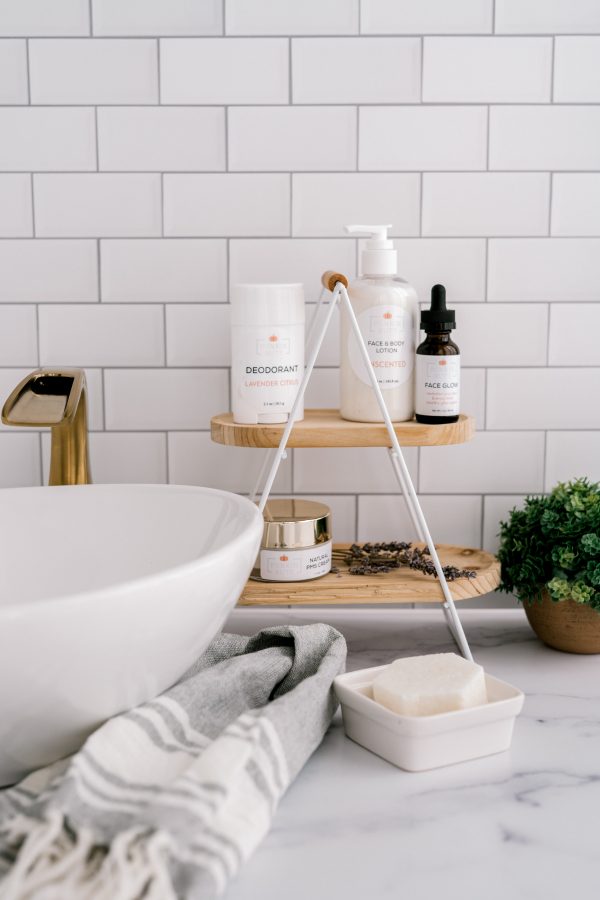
377, 558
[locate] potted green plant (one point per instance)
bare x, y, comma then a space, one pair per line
550, 558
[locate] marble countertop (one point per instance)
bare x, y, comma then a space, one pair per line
524, 824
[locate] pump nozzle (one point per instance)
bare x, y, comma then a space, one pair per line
378, 235
378, 256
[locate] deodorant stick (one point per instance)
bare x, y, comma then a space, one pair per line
267, 351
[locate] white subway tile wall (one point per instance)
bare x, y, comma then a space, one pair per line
286, 138
356, 70
157, 17
16, 207
576, 204
83, 71
13, 72
161, 139
490, 203
577, 74
323, 203
509, 70
155, 152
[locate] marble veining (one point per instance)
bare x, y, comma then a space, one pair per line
522, 824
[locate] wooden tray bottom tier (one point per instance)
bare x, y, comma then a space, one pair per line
398, 586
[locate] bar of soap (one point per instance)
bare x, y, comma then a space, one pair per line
427, 685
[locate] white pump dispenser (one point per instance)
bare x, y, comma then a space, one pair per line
378, 256
387, 311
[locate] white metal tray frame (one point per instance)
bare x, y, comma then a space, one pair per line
274, 457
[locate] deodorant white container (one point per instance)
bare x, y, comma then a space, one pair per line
267, 351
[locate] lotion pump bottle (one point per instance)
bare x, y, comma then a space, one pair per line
387, 311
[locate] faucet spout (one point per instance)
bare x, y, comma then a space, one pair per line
56, 399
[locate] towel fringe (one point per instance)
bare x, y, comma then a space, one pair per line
55, 862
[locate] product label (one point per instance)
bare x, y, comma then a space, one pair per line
295, 565
267, 366
388, 334
438, 385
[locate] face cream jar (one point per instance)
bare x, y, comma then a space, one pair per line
296, 544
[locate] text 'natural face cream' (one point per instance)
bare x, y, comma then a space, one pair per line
267, 351
386, 310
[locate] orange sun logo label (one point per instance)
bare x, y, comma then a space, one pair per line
387, 315
273, 338
283, 558
442, 362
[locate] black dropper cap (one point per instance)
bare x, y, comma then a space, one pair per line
438, 318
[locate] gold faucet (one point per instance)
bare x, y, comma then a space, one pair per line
56, 399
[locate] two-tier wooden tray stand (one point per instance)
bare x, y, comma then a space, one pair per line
326, 428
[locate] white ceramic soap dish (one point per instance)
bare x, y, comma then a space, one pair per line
417, 743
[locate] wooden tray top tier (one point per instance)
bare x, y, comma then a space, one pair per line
398, 586
326, 428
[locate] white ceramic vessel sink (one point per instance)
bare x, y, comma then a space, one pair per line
108, 593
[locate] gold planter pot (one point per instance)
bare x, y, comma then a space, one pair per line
566, 625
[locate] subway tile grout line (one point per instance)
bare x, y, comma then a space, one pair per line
544, 461
228, 270
339, 104
162, 205
103, 387
485, 396
487, 139
37, 333
552, 67
164, 324
308, 172
96, 139
320, 171
99, 268
285, 236
486, 270
482, 515
28, 68
167, 458
158, 72
399, 36
290, 83
91, 16
33, 228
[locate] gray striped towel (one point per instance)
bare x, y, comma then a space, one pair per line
168, 800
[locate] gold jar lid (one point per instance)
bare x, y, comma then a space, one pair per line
295, 523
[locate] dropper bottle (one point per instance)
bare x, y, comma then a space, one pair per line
437, 395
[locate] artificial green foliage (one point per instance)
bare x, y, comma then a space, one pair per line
553, 544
